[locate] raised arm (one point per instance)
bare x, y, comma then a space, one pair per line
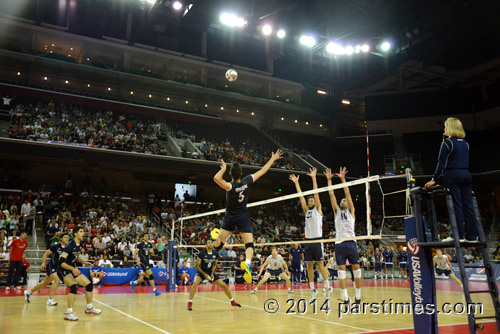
218, 178
312, 174
295, 179
341, 174
274, 156
329, 175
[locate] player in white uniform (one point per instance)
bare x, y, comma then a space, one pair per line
442, 265
344, 227
313, 252
275, 265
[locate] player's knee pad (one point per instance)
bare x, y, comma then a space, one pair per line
218, 248
73, 289
151, 277
249, 245
357, 273
342, 274
89, 287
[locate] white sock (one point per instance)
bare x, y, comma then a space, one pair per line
399, 276
343, 292
154, 289
89, 306
248, 261
70, 310
327, 284
231, 299
358, 294
255, 289
311, 284
135, 282
190, 301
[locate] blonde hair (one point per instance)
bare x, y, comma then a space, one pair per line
454, 127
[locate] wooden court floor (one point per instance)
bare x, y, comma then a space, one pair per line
142, 312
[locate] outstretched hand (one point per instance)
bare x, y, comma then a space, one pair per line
430, 184
277, 155
293, 178
222, 164
341, 174
312, 172
328, 173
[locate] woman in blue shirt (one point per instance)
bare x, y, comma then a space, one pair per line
453, 163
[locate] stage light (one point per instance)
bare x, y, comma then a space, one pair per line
177, 5
308, 41
66, 82
237, 110
150, 96
282, 118
307, 123
365, 48
267, 30
131, 93
385, 46
109, 88
88, 85
45, 78
296, 121
349, 50
321, 125
335, 49
345, 101
322, 92
221, 108
206, 105
281, 33
253, 113
232, 20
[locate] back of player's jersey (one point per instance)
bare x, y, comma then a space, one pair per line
237, 197
56, 251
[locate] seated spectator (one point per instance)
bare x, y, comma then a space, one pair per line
469, 258
223, 253
105, 263
231, 253
96, 273
184, 278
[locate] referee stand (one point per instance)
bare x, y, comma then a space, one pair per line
420, 257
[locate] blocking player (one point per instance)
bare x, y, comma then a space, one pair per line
206, 263
141, 255
71, 275
51, 269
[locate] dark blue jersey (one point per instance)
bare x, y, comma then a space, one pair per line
208, 260
388, 256
296, 254
73, 250
56, 250
237, 197
378, 257
453, 154
402, 256
143, 254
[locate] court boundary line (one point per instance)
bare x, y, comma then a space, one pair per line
402, 329
130, 316
299, 316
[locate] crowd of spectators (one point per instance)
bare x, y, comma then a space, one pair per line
73, 125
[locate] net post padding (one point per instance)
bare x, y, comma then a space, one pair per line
364, 237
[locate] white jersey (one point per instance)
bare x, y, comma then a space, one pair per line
314, 224
275, 263
344, 224
333, 264
441, 263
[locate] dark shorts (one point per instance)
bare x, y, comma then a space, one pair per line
313, 252
447, 272
378, 266
389, 265
347, 250
296, 267
216, 277
276, 272
333, 272
50, 268
402, 265
145, 267
237, 221
63, 273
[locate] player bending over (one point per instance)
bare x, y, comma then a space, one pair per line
275, 265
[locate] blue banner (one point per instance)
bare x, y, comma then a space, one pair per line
122, 276
423, 286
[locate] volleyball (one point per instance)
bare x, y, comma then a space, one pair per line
214, 234
231, 75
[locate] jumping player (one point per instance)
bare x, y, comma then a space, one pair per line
402, 257
344, 226
389, 261
379, 260
442, 265
237, 216
275, 265
206, 263
71, 275
313, 252
143, 249
51, 269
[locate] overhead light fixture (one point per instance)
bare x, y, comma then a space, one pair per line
237, 110
335, 48
385, 46
253, 113
281, 33
296, 121
365, 48
349, 50
67, 82
345, 101
177, 5
322, 92
308, 41
44, 78
131, 93
150, 96
206, 105
357, 49
18, 73
307, 123
187, 102
282, 118
321, 125
232, 20
151, 2
267, 29
109, 88
88, 85
221, 108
